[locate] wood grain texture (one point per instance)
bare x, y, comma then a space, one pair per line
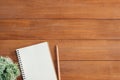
86, 31
100, 9
59, 29
90, 70
101, 50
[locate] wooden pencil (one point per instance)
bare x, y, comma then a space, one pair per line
58, 62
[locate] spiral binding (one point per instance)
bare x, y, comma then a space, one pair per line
21, 66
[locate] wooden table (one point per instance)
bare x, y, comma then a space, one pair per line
86, 31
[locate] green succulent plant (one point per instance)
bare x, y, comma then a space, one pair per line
8, 69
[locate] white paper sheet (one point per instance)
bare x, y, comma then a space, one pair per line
36, 62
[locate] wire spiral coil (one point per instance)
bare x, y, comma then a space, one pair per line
21, 66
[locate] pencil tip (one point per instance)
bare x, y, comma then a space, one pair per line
56, 46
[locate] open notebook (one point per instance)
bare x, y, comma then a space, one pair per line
36, 62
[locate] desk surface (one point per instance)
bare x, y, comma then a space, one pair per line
86, 31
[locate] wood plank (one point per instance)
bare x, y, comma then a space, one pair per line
90, 70
69, 49
89, 50
100, 9
59, 29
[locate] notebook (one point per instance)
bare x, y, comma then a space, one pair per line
36, 62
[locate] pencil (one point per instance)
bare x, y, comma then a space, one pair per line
58, 63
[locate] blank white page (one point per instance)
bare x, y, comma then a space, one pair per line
36, 62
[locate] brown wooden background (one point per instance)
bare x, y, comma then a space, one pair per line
86, 31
